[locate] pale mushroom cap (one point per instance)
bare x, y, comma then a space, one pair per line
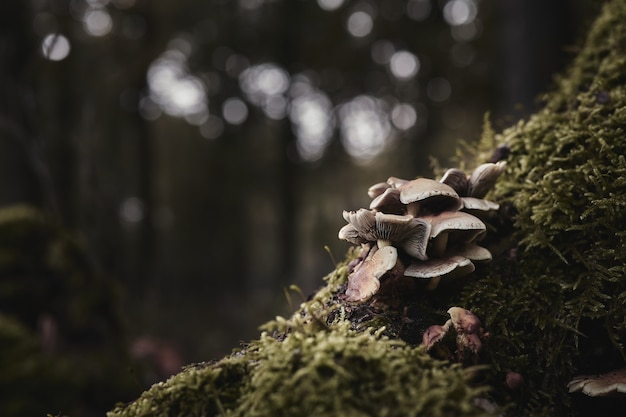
388, 202
377, 189
396, 182
364, 281
473, 203
456, 179
432, 196
439, 267
474, 253
483, 178
456, 221
364, 221
463, 320
610, 383
349, 233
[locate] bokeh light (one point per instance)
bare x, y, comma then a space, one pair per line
174, 89
360, 24
364, 128
330, 5
235, 111
404, 65
403, 116
55, 47
97, 21
265, 85
459, 12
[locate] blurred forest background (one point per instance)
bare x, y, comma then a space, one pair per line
168, 168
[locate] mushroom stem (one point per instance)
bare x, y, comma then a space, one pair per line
413, 208
383, 242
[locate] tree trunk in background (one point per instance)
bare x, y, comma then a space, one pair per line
19, 162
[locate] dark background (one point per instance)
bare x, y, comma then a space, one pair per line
203, 151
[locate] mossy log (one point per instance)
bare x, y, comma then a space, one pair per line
553, 299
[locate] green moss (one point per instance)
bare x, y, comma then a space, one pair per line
553, 300
561, 294
309, 366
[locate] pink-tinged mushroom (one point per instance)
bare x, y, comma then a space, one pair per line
364, 281
424, 195
483, 178
608, 384
457, 179
377, 189
474, 204
432, 335
464, 321
513, 380
388, 202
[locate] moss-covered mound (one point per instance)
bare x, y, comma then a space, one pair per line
553, 300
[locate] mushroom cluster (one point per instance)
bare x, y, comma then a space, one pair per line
469, 334
434, 224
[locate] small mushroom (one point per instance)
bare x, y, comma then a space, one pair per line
464, 227
364, 281
388, 202
408, 232
396, 182
432, 335
349, 233
610, 383
426, 195
483, 178
435, 269
473, 203
456, 179
513, 380
463, 320
377, 189
474, 253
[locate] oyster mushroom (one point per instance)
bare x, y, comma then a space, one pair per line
478, 204
407, 232
436, 269
388, 202
364, 281
610, 383
456, 179
426, 195
377, 189
463, 320
457, 226
483, 178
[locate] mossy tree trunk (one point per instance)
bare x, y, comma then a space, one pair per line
553, 299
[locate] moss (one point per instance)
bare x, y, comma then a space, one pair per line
553, 299
316, 366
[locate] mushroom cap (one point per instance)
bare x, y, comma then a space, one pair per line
377, 189
388, 202
610, 383
473, 203
464, 321
349, 233
483, 178
474, 253
396, 182
364, 281
471, 227
457, 179
434, 195
371, 225
364, 221
433, 268
432, 335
